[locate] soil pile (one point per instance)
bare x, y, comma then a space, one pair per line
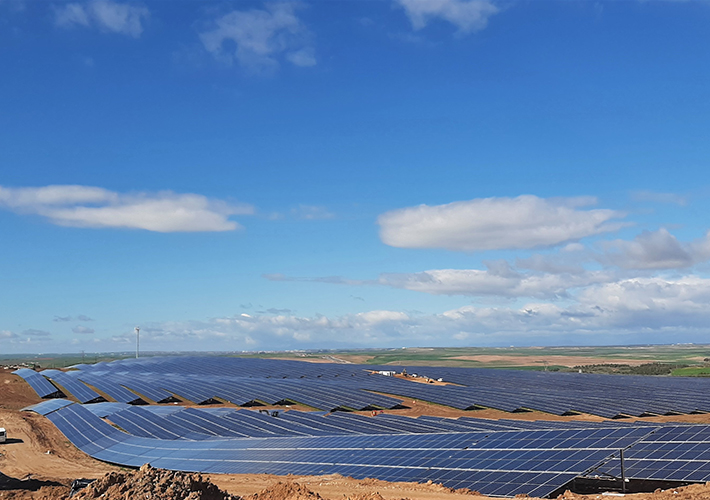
285, 491
149, 483
366, 496
291, 490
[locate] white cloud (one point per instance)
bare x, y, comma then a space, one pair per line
7, 334
92, 207
106, 15
493, 282
700, 249
625, 311
466, 15
650, 250
495, 223
650, 303
257, 39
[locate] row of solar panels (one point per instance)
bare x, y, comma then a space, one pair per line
244, 381
494, 462
205, 389
193, 423
230, 367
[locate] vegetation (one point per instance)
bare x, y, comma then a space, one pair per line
644, 369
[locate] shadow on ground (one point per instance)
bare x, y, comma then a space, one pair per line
11, 483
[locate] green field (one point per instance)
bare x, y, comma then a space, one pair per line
677, 360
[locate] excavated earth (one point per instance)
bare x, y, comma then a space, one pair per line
38, 462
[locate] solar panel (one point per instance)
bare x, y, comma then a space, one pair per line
673, 453
39, 384
75, 387
46, 407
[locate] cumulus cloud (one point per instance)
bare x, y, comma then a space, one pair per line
92, 207
496, 223
259, 39
650, 250
107, 16
466, 15
83, 330
284, 331
7, 334
627, 310
651, 303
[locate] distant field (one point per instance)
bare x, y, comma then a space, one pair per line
686, 360
676, 360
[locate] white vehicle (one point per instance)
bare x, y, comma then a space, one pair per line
3, 435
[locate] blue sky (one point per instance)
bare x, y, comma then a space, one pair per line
281, 175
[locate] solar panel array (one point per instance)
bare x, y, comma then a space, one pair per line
328, 386
499, 463
670, 454
41, 385
70, 382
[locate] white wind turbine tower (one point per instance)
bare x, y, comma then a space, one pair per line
138, 339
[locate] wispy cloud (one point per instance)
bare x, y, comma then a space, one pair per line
311, 212
653, 197
467, 15
83, 330
93, 207
32, 332
496, 223
65, 319
105, 15
498, 280
258, 39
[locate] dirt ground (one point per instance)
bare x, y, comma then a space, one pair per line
39, 463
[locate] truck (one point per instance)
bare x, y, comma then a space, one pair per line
3, 435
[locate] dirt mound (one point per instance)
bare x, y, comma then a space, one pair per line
366, 496
149, 483
285, 491
15, 393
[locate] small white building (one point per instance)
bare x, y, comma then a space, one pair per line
3, 435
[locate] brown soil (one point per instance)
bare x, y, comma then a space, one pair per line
422, 380
333, 487
15, 393
150, 483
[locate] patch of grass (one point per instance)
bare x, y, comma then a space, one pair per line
692, 371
